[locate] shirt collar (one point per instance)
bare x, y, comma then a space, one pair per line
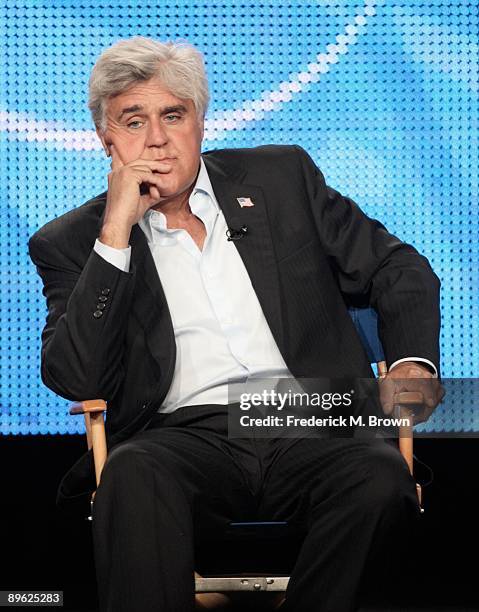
203, 183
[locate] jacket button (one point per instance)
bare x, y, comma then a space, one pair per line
98, 313
105, 291
102, 298
100, 306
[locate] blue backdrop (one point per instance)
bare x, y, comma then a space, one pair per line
383, 95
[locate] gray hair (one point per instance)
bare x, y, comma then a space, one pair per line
178, 65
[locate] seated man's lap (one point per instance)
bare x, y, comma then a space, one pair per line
259, 479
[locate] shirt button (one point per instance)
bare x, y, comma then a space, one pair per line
100, 306
102, 298
105, 291
98, 313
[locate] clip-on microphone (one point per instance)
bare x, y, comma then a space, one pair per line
236, 234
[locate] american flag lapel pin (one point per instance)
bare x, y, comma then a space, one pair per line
245, 202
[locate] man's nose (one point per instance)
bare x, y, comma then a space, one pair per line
156, 135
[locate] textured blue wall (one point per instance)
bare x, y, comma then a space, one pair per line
382, 94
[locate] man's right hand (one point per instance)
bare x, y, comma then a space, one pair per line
125, 205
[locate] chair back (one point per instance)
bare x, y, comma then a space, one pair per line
366, 323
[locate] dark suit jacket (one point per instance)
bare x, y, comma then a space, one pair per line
309, 252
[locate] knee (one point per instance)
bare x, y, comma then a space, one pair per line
127, 468
124, 458
135, 464
387, 483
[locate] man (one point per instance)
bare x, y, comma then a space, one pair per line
153, 309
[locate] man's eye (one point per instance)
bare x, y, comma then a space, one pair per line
171, 118
134, 124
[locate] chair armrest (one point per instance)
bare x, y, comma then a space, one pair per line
96, 405
92, 411
405, 401
409, 398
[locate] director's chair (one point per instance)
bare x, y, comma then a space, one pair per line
210, 590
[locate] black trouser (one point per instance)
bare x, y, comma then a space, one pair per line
356, 497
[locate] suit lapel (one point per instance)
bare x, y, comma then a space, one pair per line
149, 305
256, 247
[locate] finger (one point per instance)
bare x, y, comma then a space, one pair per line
431, 398
424, 385
387, 389
409, 370
435, 393
147, 176
144, 176
151, 179
422, 415
155, 193
431, 402
150, 165
115, 158
145, 169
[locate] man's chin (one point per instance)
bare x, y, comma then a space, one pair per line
166, 194
167, 198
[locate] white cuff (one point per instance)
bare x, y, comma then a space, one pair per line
120, 258
414, 359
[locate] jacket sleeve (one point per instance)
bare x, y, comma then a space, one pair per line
371, 263
84, 335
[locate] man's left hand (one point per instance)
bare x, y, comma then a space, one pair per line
411, 376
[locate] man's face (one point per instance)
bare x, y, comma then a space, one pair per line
149, 122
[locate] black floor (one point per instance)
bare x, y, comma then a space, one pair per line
43, 549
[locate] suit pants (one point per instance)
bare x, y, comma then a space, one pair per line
355, 499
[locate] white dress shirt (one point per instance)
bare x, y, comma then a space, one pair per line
221, 333
220, 330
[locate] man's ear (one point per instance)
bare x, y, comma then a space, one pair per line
101, 136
